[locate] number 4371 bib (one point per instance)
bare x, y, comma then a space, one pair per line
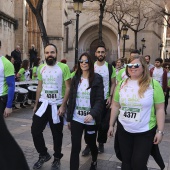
130, 114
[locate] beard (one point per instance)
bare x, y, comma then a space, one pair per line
101, 58
51, 60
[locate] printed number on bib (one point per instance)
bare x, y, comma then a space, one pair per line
82, 111
130, 114
52, 94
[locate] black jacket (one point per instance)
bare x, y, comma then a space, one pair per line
96, 98
17, 56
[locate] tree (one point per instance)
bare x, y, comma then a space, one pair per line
162, 16
37, 12
101, 16
133, 14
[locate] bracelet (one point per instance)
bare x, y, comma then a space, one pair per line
161, 132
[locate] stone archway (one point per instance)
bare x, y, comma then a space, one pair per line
88, 42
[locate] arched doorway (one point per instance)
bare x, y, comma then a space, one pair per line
93, 47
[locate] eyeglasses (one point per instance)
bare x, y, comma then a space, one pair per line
167, 67
100, 52
136, 65
84, 61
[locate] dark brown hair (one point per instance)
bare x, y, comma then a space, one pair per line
91, 69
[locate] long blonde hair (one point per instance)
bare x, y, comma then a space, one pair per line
144, 80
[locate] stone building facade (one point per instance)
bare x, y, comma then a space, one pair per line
24, 30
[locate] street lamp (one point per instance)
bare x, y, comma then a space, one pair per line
124, 29
161, 46
78, 4
143, 44
166, 54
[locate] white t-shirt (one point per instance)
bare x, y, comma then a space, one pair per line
104, 72
137, 114
158, 74
83, 106
53, 78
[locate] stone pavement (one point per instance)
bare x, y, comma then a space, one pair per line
19, 124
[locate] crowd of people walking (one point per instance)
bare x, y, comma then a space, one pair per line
128, 100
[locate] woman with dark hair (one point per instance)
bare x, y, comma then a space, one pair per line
35, 68
139, 105
24, 75
85, 103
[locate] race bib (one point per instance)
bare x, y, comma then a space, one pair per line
82, 111
130, 114
51, 94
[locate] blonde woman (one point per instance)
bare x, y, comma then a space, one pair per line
139, 105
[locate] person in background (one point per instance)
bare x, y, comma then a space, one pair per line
10, 58
74, 70
33, 54
159, 74
11, 156
147, 59
84, 109
166, 66
50, 106
64, 61
119, 65
35, 69
139, 105
24, 75
16, 54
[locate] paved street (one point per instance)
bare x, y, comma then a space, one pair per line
19, 124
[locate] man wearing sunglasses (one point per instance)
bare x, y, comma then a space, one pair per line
108, 73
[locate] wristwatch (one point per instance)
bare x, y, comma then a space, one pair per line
161, 132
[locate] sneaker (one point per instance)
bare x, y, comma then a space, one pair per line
101, 148
27, 104
93, 166
86, 151
41, 161
56, 164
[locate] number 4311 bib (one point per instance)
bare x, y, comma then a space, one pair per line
130, 114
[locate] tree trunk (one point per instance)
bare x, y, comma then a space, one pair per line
100, 23
42, 28
136, 37
37, 12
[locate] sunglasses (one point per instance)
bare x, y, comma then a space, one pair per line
136, 65
84, 61
167, 67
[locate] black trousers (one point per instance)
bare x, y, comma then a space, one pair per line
17, 67
76, 136
38, 126
103, 127
166, 100
11, 156
135, 148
